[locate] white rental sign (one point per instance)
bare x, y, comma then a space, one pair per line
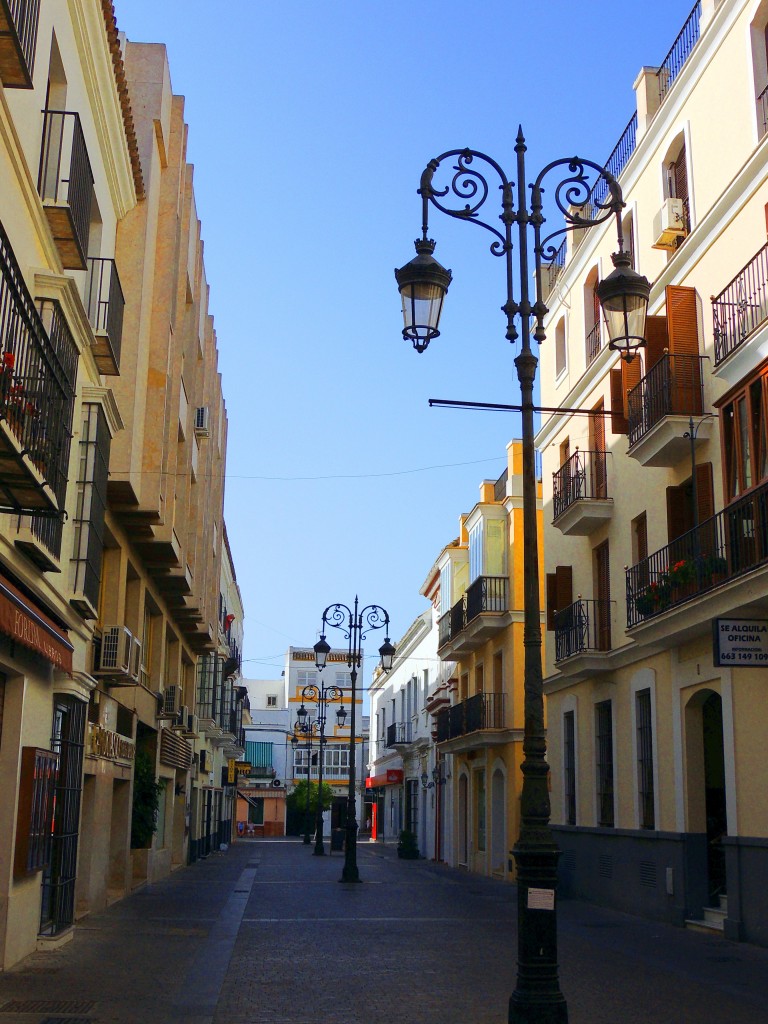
741, 641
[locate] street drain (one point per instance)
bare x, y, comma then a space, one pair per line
47, 1006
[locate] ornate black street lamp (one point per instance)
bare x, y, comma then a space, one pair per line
537, 999
321, 696
355, 624
305, 734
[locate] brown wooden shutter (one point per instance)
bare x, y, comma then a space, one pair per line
705, 491
631, 374
619, 423
680, 176
559, 592
685, 371
597, 430
657, 339
603, 575
678, 513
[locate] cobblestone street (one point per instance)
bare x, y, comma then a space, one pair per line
265, 934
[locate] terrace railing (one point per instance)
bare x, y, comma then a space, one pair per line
679, 52
583, 475
672, 387
741, 306
582, 627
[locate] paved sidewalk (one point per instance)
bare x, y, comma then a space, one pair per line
266, 934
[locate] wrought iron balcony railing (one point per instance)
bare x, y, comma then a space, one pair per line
616, 162
741, 306
583, 475
582, 627
486, 594
730, 544
18, 39
679, 52
481, 711
762, 111
672, 387
38, 366
592, 344
65, 185
398, 733
105, 304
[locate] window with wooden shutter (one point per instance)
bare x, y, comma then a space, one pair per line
559, 592
597, 445
603, 604
685, 364
619, 421
656, 338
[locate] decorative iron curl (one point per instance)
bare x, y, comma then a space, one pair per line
321, 695
338, 616
468, 183
373, 616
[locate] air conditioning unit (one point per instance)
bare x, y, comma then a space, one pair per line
191, 726
201, 421
115, 660
669, 225
276, 783
168, 705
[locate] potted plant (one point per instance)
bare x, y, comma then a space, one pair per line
407, 847
682, 572
655, 597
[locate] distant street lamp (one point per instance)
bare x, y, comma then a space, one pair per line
307, 732
355, 625
321, 696
624, 295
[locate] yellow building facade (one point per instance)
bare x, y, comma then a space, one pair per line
655, 504
480, 628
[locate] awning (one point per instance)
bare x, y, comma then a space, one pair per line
22, 621
391, 777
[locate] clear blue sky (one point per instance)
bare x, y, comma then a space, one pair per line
310, 123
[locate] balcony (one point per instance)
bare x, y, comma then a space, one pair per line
399, 734
105, 304
580, 494
38, 365
660, 409
714, 566
481, 717
65, 185
592, 344
762, 112
478, 615
679, 52
18, 38
737, 313
39, 538
583, 631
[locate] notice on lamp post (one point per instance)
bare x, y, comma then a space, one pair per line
740, 642
541, 899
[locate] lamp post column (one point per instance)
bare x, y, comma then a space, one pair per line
307, 813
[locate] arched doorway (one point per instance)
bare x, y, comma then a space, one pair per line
463, 822
498, 823
707, 807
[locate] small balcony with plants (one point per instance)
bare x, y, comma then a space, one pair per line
480, 613
661, 407
580, 500
18, 39
479, 721
740, 319
720, 567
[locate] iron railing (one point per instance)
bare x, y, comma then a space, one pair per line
679, 52
486, 594
22, 17
672, 387
37, 373
762, 111
617, 161
592, 344
443, 629
481, 711
741, 306
583, 475
65, 171
500, 487
398, 732
730, 544
553, 268
105, 302
582, 627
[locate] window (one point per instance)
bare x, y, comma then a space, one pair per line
759, 40
591, 317
569, 767
603, 594
271, 700
639, 538
480, 830
676, 183
560, 347
559, 592
476, 551
445, 589
644, 726
604, 763
745, 437
306, 677
35, 814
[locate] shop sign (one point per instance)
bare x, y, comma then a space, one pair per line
105, 743
21, 621
740, 642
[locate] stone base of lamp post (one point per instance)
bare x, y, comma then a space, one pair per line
350, 872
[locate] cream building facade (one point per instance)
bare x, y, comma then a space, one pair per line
655, 507
113, 572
